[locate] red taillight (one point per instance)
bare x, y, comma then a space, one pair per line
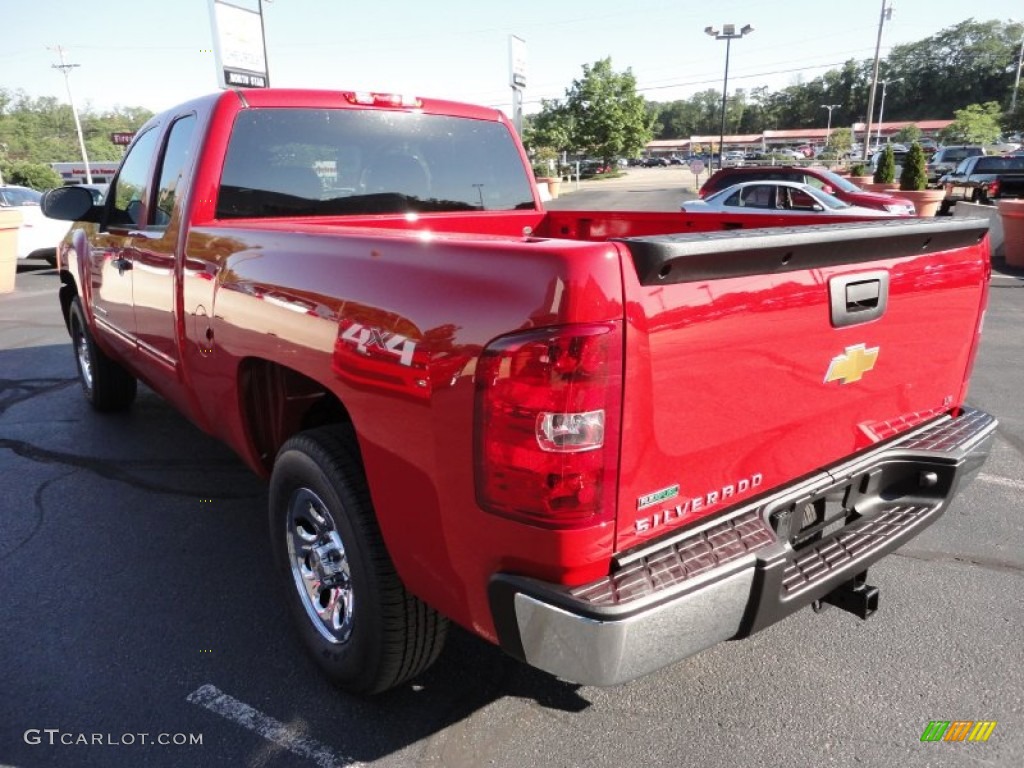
548, 408
993, 189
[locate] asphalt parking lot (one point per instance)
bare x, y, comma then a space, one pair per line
138, 600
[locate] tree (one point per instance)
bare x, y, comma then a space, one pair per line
915, 173
974, 124
840, 141
549, 131
35, 175
607, 116
908, 134
885, 173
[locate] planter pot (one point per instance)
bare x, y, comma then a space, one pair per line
926, 201
9, 223
886, 187
1011, 212
861, 181
553, 184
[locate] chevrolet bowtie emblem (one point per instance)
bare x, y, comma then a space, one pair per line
852, 364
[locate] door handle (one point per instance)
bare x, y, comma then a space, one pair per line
858, 298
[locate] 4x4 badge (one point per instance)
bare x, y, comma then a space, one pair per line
852, 364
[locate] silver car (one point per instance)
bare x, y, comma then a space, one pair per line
778, 198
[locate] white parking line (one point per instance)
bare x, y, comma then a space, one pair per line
1017, 485
212, 698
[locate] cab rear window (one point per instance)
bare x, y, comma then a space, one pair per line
329, 162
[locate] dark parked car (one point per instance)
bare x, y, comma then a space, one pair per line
820, 178
948, 158
984, 180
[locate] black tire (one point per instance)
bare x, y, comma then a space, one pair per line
376, 635
106, 385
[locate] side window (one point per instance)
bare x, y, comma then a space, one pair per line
129, 191
177, 154
814, 181
758, 196
801, 201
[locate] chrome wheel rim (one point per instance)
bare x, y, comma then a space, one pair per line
84, 360
319, 566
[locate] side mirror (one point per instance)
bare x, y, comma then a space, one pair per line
70, 204
818, 208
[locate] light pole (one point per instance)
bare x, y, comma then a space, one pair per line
828, 129
881, 109
1016, 83
886, 16
64, 67
728, 34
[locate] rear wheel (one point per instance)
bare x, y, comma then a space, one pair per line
106, 385
360, 624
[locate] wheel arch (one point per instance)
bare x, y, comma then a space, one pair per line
277, 402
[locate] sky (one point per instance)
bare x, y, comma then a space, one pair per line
157, 53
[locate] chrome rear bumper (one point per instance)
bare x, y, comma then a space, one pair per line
741, 572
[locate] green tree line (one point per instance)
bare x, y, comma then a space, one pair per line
35, 132
963, 73
970, 63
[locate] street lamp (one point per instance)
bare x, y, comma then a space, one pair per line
881, 109
886, 16
828, 129
1016, 83
728, 34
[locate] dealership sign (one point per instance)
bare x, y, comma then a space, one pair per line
238, 45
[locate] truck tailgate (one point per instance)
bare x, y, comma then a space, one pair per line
759, 357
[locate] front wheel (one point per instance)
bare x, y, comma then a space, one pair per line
106, 385
353, 613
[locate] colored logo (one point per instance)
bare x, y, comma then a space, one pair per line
958, 730
852, 364
658, 496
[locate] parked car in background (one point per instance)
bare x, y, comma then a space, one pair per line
983, 180
948, 158
786, 152
37, 236
656, 162
818, 177
733, 158
778, 197
899, 155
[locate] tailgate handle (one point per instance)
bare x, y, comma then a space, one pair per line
862, 295
858, 298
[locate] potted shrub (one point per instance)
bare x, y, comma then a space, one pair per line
859, 174
914, 183
885, 173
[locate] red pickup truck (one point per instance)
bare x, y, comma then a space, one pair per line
603, 440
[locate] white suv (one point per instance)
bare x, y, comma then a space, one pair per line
38, 236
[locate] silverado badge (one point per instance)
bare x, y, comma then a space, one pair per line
852, 364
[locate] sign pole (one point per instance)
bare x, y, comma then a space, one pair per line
517, 78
